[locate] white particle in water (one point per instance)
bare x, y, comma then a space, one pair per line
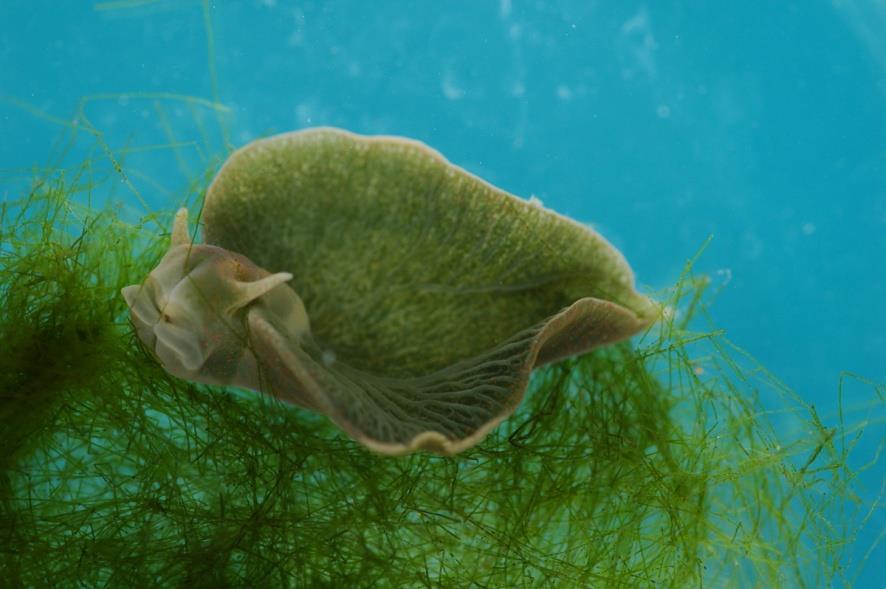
726, 273
450, 87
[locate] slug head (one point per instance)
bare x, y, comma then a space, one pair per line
191, 310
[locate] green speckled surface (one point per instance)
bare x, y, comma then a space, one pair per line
405, 262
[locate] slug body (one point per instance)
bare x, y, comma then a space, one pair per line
432, 295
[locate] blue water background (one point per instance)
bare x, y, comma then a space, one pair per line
762, 124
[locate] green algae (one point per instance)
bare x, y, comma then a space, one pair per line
633, 466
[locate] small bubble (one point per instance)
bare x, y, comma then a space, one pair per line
808, 228
663, 111
564, 92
